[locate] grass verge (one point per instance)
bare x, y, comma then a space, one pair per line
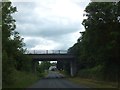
93, 83
23, 79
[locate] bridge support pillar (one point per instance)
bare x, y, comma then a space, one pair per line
73, 68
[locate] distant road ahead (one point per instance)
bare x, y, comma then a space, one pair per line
55, 80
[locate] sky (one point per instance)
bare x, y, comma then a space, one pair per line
50, 24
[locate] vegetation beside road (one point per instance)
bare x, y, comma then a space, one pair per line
93, 83
23, 79
90, 83
17, 68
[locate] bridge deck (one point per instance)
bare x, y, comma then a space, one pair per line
51, 57
47, 52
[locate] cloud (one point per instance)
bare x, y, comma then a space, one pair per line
39, 43
49, 24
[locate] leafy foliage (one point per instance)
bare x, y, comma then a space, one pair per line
44, 66
12, 47
99, 43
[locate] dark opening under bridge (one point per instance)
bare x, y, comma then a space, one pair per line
54, 55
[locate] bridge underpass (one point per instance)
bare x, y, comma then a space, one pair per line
53, 55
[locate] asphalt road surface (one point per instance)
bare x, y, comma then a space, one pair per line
55, 80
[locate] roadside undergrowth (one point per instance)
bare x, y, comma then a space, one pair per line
93, 83
23, 79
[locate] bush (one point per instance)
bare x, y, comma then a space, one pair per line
93, 73
23, 79
7, 70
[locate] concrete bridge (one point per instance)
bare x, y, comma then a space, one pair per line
53, 55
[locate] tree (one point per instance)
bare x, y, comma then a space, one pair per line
102, 46
99, 43
45, 65
12, 45
8, 26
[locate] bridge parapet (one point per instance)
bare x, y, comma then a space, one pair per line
46, 51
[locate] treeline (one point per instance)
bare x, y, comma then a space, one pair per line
13, 58
98, 48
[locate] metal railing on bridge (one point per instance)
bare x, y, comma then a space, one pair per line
46, 51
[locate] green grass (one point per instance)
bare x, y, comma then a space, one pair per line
24, 79
45, 73
65, 74
93, 83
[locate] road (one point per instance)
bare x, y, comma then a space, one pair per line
55, 80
